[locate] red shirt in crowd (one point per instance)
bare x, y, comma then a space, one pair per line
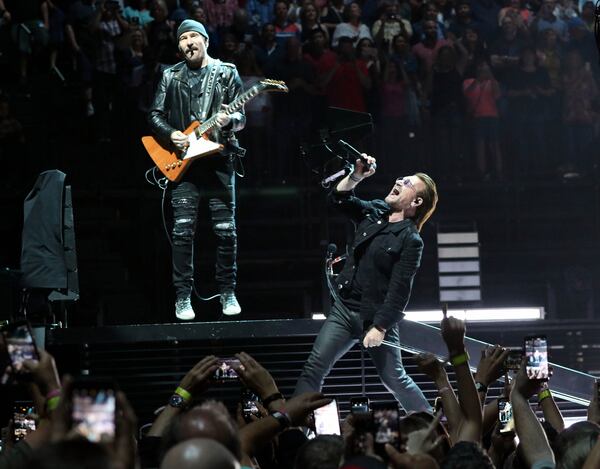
481, 97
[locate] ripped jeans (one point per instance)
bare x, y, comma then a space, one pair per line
218, 187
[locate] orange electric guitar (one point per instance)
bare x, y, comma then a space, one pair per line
174, 164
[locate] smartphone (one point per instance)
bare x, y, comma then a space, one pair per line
505, 416
359, 405
513, 360
20, 345
386, 430
536, 354
327, 419
24, 419
249, 408
93, 409
226, 371
598, 389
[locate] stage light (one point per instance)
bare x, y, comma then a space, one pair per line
473, 315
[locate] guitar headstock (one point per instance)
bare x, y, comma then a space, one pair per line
269, 85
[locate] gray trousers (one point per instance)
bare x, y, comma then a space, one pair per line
341, 330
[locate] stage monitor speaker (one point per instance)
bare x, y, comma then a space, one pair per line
48, 256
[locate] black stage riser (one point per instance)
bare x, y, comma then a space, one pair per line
149, 361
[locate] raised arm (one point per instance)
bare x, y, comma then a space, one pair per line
453, 333
531, 435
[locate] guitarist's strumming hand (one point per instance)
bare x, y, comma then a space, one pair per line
180, 140
223, 118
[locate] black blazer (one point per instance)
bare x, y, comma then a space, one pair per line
387, 292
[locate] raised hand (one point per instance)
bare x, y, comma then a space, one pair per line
490, 366
300, 407
430, 365
197, 379
255, 376
453, 333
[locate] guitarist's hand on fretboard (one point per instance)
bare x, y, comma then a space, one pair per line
180, 140
223, 118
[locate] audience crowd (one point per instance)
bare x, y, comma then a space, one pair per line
475, 88
192, 432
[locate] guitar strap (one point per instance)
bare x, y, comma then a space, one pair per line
210, 87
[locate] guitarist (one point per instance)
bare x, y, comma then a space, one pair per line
194, 90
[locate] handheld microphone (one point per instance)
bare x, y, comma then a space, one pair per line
356, 154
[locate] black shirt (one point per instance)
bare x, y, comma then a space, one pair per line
196, 81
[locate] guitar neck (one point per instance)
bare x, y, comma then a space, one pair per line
235, 106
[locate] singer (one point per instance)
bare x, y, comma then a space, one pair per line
375, 284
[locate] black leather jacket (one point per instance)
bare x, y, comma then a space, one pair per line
398, 257
172, 110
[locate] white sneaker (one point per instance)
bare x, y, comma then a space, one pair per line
184, 310
230, 304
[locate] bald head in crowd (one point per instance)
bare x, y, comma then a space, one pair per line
199, 453
209, 420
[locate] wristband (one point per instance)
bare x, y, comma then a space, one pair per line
354, 178
273, 397
461, 359
183, 393
52, 403
543, 394
283, 419
53, 393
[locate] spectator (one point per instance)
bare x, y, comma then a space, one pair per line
108, 26
587, 15
268, 51
474, 48
219, 14
309, 22
549, 53
352, 26
56, 34
481, 94
369, 55
462, 20
505, 51
547, 19
430, 13
444, 90
30, 23
322, 452
230, 47
261, 12
294, 110
198, 13
521, 16
137, 13
527, 90
579, 116
389, 25
347, 79
161, 36
583, 40
332, 14
485, 12
426, 50
79, 33
199, 453
284, 28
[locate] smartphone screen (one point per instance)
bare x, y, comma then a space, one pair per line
359, 405
20, 345
385, 426
249, 407
327, 420
536, 353
226, 372
93, 412
24, 419
505, 416
513, 360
